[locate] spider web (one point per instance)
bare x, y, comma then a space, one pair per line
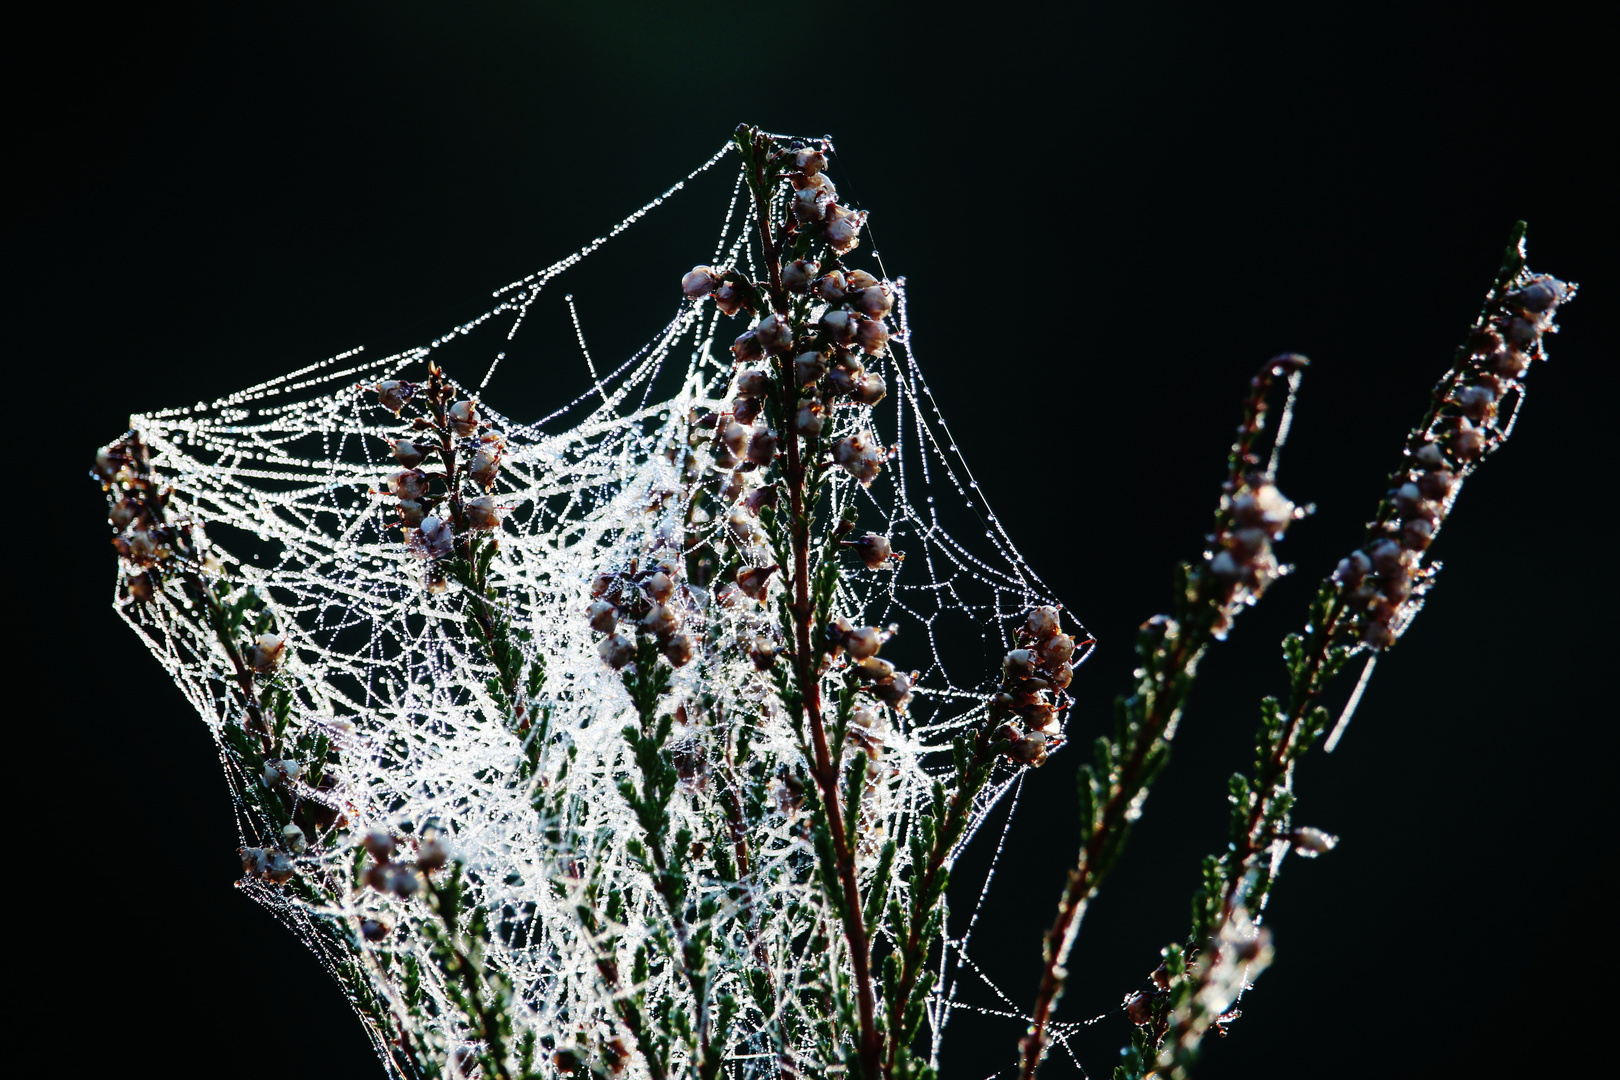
284, 477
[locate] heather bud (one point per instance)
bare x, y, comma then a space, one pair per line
874, 550
1387, 558
747, 409
1263, 505
894, 692
1416, 535
1043, 621
699, 282
871, 388
1311, 842
1394, 589
294, 838
843, 231
1378, 635
123, 512
659, 587
1429, 456
773, 333
1478, 403
832, 287
372, 930
871, 335
809, 162
483, 468
379, 844
403, 882
604, 617
859, 456
1061, 675
874, 669
753, 383
747, 348
616, 651
1139, 1007
858, 280
839, 326
731, 297
752, 580
1353, 568
1466, 442
762, 447
808, 419
434, 849
809, 205
733, 438
1029, 749
483, 515
278, 772
758, 498
463, 417
436, 537
1436, 484
393, 395
660, 620
1521, 333
797, 275
808, 367
408, 483
1057, 649
1540, 295
1248, 542
1408, 499
409, 454
1509, 363
678, 650
744, 526
1019, 664
873, 302
763, 653
108, 465
863, 642
265, 652
266, 863
846, 375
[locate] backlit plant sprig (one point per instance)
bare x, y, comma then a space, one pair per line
775, 449
1364, 606
1235, 571
283, 772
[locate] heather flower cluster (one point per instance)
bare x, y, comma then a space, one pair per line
1386, 578
1034, 678
436, 505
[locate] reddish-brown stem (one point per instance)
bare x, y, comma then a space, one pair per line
825, 772
1082, 883
1163, 705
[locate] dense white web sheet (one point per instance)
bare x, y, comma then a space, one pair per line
286, 479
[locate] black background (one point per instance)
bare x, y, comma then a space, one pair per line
1108, 218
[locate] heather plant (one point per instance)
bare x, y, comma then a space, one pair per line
643, 740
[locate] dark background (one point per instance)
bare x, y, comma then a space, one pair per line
1108, 218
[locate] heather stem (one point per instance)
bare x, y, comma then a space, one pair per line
1169, 649
823, 768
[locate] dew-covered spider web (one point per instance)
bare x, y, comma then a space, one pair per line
381, 677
